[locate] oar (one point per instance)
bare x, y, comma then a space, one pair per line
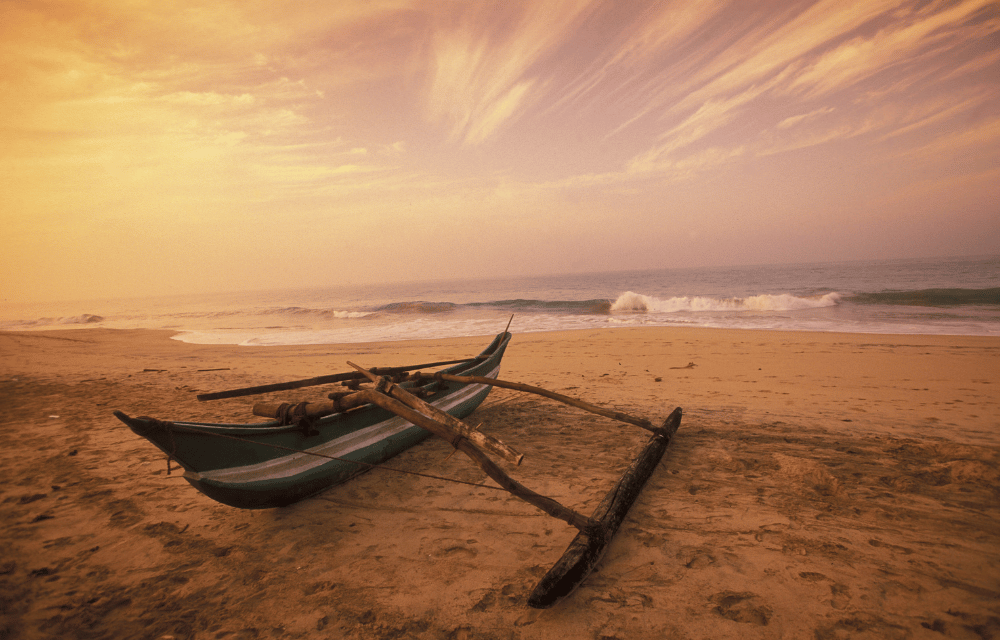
312, 382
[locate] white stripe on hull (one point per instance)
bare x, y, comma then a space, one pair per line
297, 463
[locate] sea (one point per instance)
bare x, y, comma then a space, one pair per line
940, 296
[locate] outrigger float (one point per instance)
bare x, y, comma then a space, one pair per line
310, 446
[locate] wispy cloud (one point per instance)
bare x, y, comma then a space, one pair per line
483, 61
798, 119
912, 32
804, 65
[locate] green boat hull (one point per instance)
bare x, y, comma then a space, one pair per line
264, 465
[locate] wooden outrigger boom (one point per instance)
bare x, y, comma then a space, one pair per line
597, 531
527, 388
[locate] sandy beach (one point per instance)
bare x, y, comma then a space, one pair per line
820, 486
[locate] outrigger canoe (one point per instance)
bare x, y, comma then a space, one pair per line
273, 464
311, 446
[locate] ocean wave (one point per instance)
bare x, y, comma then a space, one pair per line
419, 307
639, 303
318, 313
591, 307
931, 297
51, 322
83, 318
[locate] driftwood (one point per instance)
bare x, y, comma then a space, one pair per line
586, 550
518, 386
331, 379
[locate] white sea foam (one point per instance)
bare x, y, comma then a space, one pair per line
84, 318
318, 313
639, 303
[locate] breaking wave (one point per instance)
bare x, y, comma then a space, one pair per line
639, 303
318, 313
85, 318
418, 307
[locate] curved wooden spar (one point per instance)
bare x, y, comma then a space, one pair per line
456, 437
585, 551
518, 386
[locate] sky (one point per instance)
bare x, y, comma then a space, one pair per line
169, 147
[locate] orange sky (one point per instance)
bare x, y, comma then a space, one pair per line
172, 147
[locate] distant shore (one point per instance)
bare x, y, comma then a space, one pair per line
820, 485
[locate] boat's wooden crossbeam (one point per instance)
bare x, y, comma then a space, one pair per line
466, 446
384, 385
527, 388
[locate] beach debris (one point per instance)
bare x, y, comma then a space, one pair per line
689, 365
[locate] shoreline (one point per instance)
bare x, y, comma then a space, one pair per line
820, 485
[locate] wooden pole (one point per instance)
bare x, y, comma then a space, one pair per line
485, 441
463, 444
518, 386
311, 410
586, 550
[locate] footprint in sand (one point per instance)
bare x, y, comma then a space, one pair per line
743, 607
841, 596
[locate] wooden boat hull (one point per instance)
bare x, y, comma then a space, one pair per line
258, 466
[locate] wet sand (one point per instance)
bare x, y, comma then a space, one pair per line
820, 486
